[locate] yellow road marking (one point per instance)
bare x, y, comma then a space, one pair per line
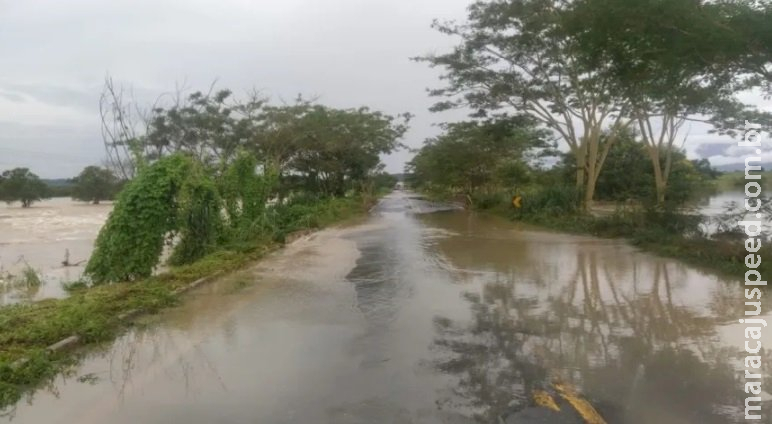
543, 399
588, 413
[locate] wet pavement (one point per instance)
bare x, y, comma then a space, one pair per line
425, 315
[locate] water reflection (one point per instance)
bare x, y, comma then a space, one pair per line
636, 334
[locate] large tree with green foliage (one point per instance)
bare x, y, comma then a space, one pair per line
94, 184
339, 149
474, 155
516, 54
206, 170
305, 144
629, 176
675, 61
21, 185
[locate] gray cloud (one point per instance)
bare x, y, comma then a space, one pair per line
82, 98
13, 97
347, 52
707, 150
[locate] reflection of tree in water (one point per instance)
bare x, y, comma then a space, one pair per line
142, 354
638, 355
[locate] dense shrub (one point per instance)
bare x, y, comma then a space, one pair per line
549, 201
130, 243
199, 223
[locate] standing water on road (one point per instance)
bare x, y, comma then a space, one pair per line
423, 315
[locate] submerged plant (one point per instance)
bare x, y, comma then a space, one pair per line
29, 278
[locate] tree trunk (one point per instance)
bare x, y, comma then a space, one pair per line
581, 163
660, 183
589, 193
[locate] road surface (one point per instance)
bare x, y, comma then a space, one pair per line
420, 314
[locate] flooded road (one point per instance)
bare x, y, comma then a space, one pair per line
420, 317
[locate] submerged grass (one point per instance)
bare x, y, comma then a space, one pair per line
718, 255
668, 232
92, 313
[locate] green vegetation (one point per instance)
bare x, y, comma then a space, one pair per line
616, 82
60, 187
93, 313
629, 208
590, 71
29, 277
476, 158
214, 171
21, 185
217, 182
130, 243
736, 181
94, 184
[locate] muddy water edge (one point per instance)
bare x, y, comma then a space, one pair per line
41, 236
423, 315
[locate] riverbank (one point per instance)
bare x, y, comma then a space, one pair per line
99, 314
668, 234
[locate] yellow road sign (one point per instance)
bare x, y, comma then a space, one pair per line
516, 201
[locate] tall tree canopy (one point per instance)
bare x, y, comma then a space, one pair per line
94, 184
590, 69
303, 142
339, 148
516, 54
21, 185
470, 156
676, 61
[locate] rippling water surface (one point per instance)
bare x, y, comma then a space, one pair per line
426, 315
40, 236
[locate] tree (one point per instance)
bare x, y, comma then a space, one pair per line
516, 54
94, 184
304, 145
210, 126
472, 155
673, 61
338, 149
203, 125
628, 174
21, 185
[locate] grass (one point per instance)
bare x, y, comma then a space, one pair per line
92, 312
666, 234
29, 277
736, 181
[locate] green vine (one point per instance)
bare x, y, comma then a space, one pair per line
174, 198
199, 222
131, 242
245, 194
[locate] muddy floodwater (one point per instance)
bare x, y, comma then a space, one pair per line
40, 237
419, 315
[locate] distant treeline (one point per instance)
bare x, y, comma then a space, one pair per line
59, 187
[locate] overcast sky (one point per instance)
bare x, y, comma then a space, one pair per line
54, 56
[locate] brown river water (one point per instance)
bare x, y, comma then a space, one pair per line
40, 236
424, 315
